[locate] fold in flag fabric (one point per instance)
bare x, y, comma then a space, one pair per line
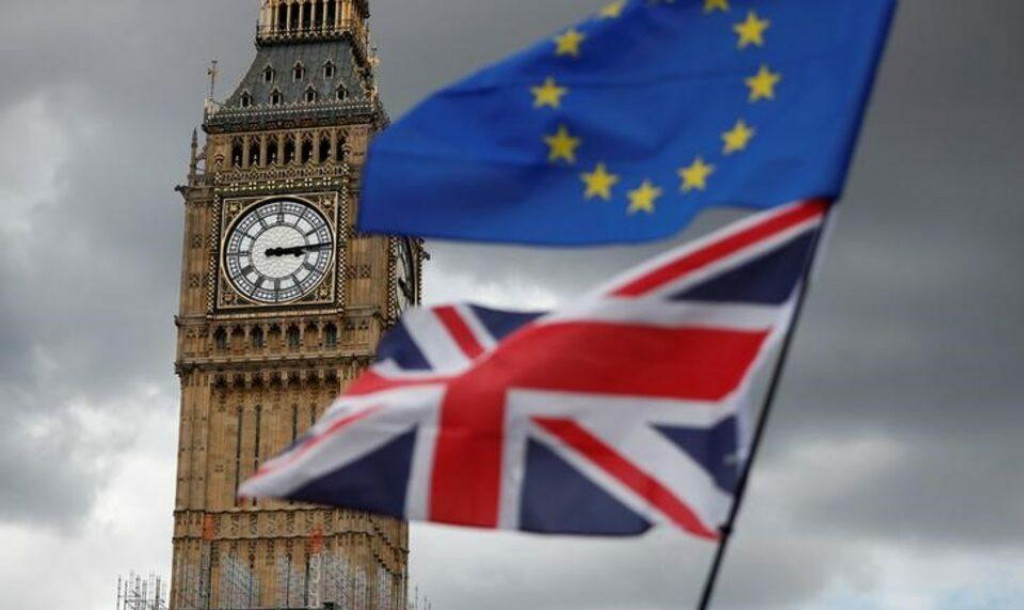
623, 127
621, 411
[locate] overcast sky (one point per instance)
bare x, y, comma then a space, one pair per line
893, 475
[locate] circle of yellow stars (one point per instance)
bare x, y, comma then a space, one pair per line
600, 183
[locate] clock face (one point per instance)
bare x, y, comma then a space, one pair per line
278, 251
406, 282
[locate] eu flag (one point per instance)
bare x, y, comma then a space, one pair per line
623, 127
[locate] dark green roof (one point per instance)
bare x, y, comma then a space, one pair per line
350, 73
313, 56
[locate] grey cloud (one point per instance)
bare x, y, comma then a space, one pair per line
947, 494
911, 337
42, 483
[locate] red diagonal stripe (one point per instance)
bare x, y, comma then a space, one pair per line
314, 441
721, 248
459, 331
371, 382
622, 470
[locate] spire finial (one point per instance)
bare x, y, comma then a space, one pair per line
212, 73
193, 164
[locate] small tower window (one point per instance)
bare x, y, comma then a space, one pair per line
331, 336
299, 71
238, 337
318, 14
220, 340
246, 100
307, 149
310, 95
257, 338
254, 152
307, 16
268, 74
329, 70
325, 149
293, 337
276, 98
282, 16
289, 149
341, 93
272, 150
236, 152
331, 15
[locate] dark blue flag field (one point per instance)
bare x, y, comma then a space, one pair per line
623, 127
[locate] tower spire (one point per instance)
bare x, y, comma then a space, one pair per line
212, 73
193, 164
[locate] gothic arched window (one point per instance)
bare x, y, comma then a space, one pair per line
319, 12
332, 15
256, 337
276, 98
310, 95
289, 149
236, 152
329, 69
307, 16
246, 100
268, 74
325, 149
331, 336
341, 93
293, 337
272, 143
307, 148
220, 340
254, 152
282, 16
274, 336
299, 71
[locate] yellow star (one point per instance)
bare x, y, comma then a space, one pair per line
762, 85
695, 177
613, 10
563, 146
643, 198
548, 94
751, 31
599, 183
737, 138
711, 5
569, 42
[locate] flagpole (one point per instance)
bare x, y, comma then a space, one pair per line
762, 425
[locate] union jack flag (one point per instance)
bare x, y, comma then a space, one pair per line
622, 410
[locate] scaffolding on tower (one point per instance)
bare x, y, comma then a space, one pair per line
141, 593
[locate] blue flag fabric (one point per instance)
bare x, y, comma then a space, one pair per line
623, 127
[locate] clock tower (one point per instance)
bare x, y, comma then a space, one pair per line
282, 305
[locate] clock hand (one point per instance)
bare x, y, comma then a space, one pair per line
297, 250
